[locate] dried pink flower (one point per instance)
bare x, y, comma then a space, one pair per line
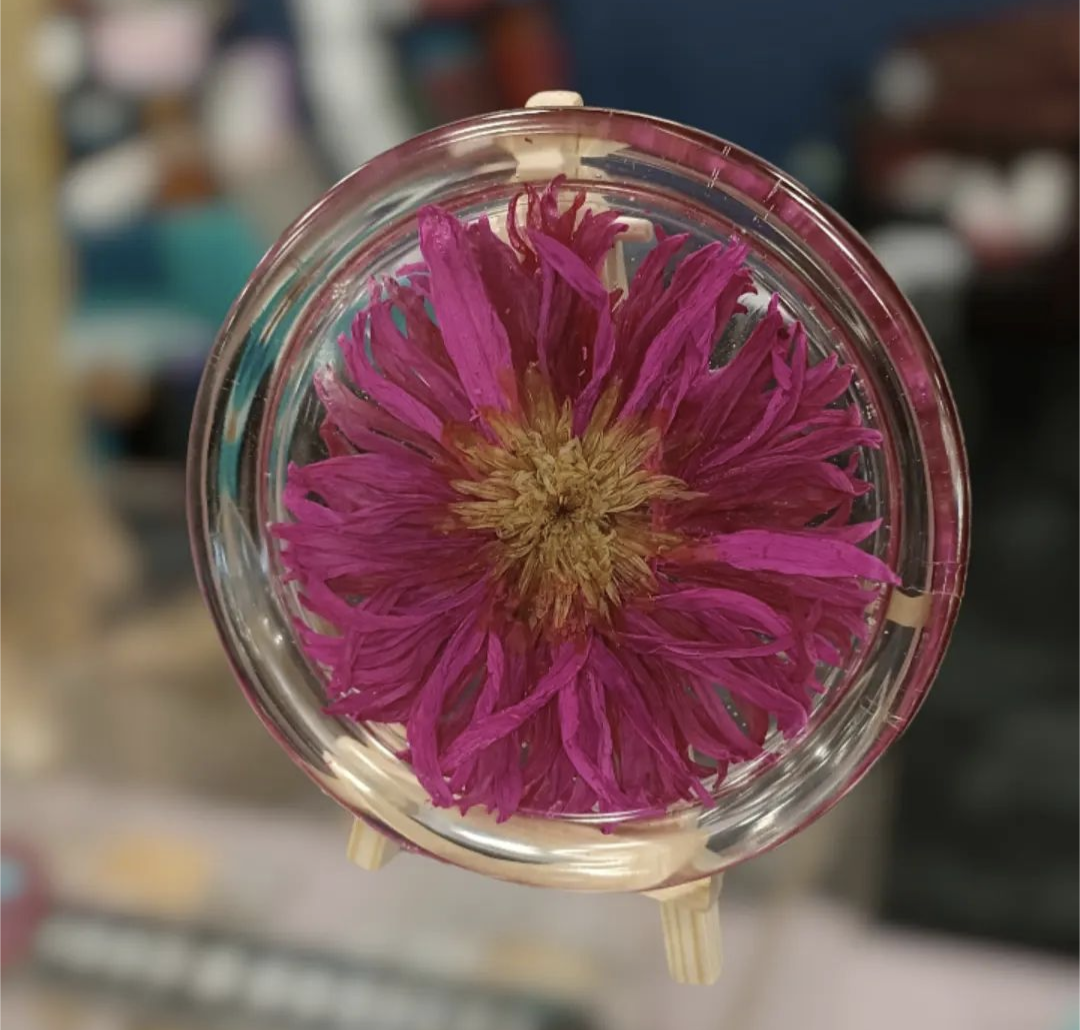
584, 569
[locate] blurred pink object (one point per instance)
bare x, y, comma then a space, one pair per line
25, 901
250, 109
162, 47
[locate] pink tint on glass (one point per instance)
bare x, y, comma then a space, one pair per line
258, 411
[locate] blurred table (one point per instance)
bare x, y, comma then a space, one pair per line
284, 876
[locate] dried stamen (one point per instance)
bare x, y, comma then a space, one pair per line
572, 514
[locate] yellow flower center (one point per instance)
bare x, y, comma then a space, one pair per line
573, 515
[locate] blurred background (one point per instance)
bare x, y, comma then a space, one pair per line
164, 865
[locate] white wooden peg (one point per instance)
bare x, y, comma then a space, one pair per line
690, 917
555, 98
368, 848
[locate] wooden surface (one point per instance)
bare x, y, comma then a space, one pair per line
49, 574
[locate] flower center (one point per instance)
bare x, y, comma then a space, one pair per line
573, 515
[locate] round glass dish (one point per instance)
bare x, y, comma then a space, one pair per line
257, 411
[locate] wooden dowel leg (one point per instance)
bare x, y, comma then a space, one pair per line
691, 921
368, 848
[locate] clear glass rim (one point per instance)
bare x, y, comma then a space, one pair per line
572, 852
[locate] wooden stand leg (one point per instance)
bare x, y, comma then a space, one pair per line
691, 921
555, 98
368, 848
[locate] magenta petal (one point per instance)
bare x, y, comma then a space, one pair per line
407, 363
461, 650
565, 666
363, 423
474, 336
579, 276
699, 283
587, 284
636, 312
749, 611
797, 554
722, 392
387, 394
569, 705
546, 339
514, 294
605, 742
661, 748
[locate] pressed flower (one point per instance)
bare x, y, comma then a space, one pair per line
585, 569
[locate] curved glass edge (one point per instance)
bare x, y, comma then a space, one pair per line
545, 853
